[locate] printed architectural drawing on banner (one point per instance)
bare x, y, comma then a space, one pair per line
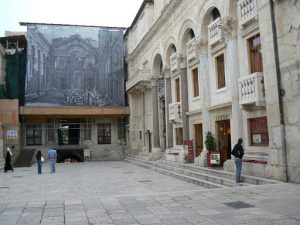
74, 65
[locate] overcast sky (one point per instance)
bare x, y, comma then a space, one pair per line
114, 13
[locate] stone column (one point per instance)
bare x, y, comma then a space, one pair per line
184, 103
232, 68
205, 97
168, 94
156, 151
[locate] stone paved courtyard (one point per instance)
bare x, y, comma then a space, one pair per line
120, 193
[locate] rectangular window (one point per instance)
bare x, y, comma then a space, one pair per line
104, 134
259, 131
256, 63
220, 66
177, 90
179, 136
33, 134
195, 82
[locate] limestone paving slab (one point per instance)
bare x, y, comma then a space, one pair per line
101, 193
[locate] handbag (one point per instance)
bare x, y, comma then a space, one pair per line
42, 159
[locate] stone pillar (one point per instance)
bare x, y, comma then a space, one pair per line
156, 151
232, 68
168, 94
205, 97
184, 103
233, 72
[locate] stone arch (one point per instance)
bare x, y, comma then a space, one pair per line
204, 16
184, 35
169, 48
157, 63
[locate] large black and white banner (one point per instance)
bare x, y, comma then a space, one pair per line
74, 65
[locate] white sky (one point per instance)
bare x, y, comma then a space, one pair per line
113, 13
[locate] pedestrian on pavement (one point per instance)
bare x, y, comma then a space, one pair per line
40, 159
8, 165
52, 155
238, 153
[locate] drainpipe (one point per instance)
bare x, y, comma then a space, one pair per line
281, 93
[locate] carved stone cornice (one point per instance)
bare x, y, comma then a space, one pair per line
166, 15
228, 26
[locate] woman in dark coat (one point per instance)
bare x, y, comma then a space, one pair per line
8, 165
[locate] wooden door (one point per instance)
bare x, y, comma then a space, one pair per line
224, 139
198, 137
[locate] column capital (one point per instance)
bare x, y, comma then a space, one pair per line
228, 26
203, 46
166, 72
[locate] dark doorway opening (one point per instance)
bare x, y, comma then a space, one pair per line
68, 132
69, 155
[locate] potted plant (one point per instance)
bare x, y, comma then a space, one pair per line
213, 157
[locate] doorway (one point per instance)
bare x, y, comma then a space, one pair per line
198, 137
224, 139
68, 132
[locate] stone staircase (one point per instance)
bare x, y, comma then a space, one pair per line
206, 177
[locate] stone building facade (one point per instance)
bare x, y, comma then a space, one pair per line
199, 66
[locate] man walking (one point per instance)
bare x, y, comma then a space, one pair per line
52, 155
238, 153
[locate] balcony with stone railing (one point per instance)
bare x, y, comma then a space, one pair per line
251, 90
215, 33
175, 115
141, 76
175, 62
192, 50
247, 11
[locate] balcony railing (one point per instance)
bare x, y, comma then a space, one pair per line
175, 62
251, 90
140, 76
175, 112
214, 32
247, 11
192, 53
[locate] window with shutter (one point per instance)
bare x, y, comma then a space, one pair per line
195, 82
220, 71
256, 63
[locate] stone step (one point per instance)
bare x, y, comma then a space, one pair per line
203, 183
217, 176
195, 174
221, 173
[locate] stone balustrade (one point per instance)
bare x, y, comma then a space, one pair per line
214, 32
251, 90
175, 115
191, 50
247, 11
174, 61
140, 76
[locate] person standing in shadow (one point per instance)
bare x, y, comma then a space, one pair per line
40, 159
8, 157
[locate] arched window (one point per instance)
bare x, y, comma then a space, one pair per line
215, 14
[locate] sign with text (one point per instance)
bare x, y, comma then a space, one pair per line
188, 146
11, 134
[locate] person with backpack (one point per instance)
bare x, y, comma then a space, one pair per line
238, 153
